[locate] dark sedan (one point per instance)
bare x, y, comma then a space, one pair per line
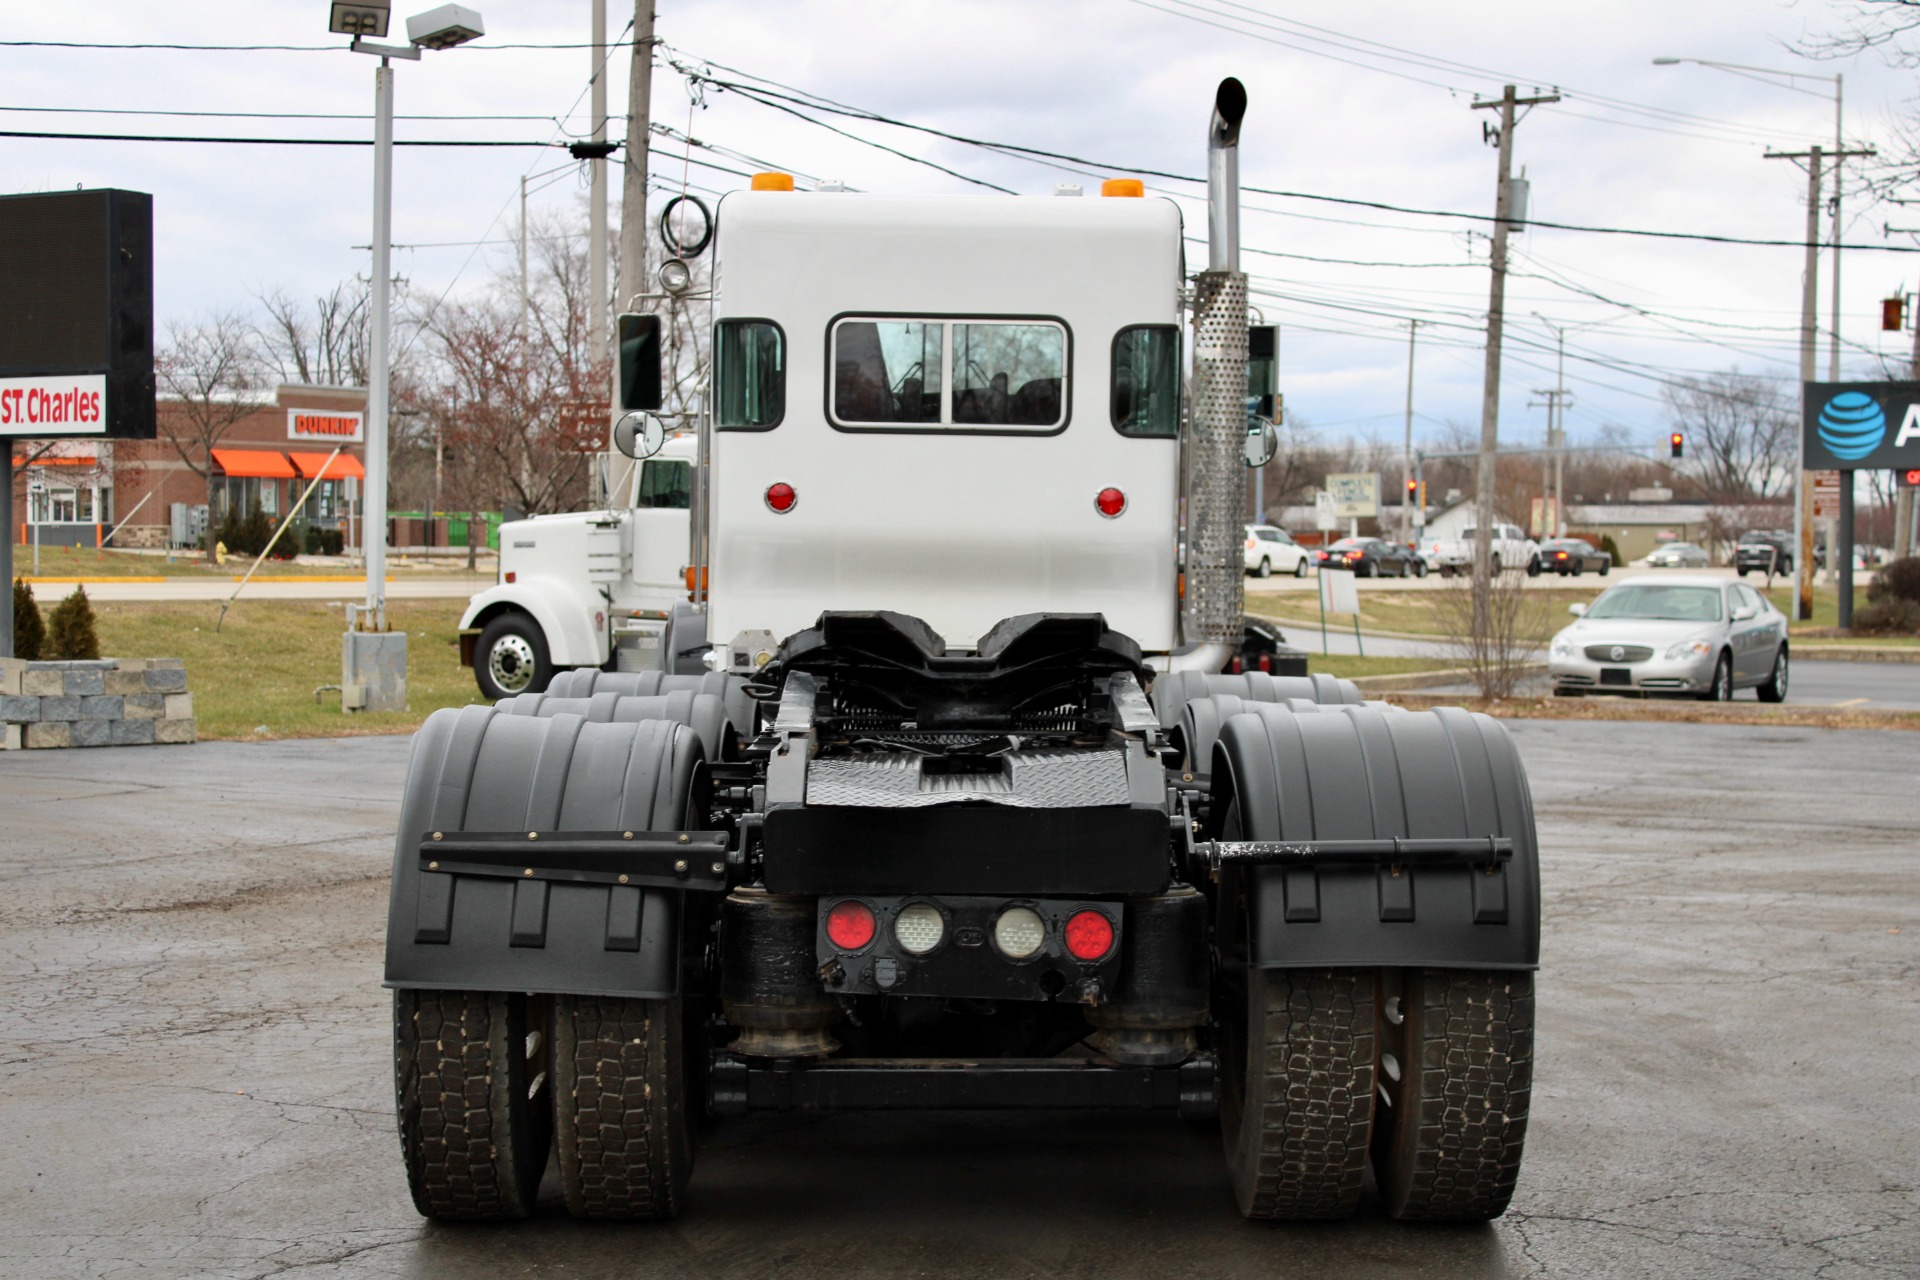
1372, 558
1573, 557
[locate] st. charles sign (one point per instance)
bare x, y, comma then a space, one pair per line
1862, 426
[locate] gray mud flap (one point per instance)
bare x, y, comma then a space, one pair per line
589, 903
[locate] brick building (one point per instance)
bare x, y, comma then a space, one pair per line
74, 493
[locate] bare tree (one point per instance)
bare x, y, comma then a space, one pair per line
1891, 29
207, 373
1740, 430
1497, 643
325, 346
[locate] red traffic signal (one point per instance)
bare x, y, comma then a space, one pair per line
1912, 478
1413, 488
1678, 443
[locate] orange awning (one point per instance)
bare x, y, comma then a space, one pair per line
345, 467
253, 464
55, 460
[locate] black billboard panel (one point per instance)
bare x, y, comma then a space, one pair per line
76, 314
1862, 426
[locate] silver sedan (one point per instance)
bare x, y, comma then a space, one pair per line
1655, 635
1677, 555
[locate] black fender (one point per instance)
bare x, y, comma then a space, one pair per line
704, 713
591, 682
481, 769
1172, 690
1367, 773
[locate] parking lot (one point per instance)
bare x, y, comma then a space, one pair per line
197, 1057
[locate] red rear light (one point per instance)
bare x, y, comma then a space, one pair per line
781, 497
1089, 935
1559, 555
1110, 502
511, 575
850, 925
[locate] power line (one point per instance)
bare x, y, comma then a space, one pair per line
255, 115
263, 142
270, 48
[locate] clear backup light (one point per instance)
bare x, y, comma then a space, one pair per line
918, 928
1019, 932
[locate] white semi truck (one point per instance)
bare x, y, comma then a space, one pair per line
586, 588
954, 809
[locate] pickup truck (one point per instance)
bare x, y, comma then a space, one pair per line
1512, 549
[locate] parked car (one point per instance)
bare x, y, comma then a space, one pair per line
1763, 551
1270, 550
1677, 555
1512, 549
1373, 558
1654, 635
1571, 557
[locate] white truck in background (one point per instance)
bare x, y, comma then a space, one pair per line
1512, 549
586, 588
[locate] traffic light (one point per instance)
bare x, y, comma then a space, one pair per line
1678, 444
1912, 478
1892, 312
1413, 490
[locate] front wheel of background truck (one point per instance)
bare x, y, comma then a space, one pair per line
1456, 1081
620, 1100
470, 1088
511, 657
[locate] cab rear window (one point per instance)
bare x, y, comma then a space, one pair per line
914, 373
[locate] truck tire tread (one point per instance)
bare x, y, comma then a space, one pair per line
624, 1147
1453, 1151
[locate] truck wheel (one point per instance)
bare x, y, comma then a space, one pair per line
1296, 1107
1775, 689
620, 1099
470, 1077
511, 657
1456, 1080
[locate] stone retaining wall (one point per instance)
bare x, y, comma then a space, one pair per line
111, 702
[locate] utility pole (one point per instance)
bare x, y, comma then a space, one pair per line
1496, 308
597, 197
524, 309
633, 206
1809, 309
1839, 155
1406, 453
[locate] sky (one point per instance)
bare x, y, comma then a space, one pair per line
1365, 101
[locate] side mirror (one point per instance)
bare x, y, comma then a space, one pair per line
640, 353
1263, 441
639, 435
1577, 610
1744, 613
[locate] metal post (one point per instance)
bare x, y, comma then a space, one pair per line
1406, 454
374, 500
1559, 441
1843, 549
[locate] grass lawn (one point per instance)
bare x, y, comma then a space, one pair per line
1349, 667
86, 562
262, 669
1408, 612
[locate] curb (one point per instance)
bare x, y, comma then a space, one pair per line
84, 582
1851, 653
1409, 681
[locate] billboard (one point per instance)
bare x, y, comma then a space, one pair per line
76, 315
330, 426
1862, 426
1356, 494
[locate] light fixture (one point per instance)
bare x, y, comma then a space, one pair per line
675, 275
361, 18
445, 27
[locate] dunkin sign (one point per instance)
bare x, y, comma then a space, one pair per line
327, 426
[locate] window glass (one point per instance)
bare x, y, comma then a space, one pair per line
749, 374
1146, 381
887, 371
1008, 375
666, 484
63, 506
1745, 595
1269, 535
1672, 604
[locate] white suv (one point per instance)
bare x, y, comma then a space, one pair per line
1271, 550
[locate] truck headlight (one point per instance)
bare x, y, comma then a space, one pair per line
1689, 649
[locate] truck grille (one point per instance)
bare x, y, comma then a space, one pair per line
1618, 653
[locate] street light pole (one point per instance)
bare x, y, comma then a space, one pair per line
373, 533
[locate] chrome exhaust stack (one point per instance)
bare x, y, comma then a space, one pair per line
1214, 612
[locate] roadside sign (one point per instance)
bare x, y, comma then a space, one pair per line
1325, 518
1826, 495
1356, 495
1338, 593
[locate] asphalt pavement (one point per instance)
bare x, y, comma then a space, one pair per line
195, 1058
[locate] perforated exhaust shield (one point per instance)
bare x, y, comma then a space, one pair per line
1216, 581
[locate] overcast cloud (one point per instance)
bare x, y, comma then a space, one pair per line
1117, 81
